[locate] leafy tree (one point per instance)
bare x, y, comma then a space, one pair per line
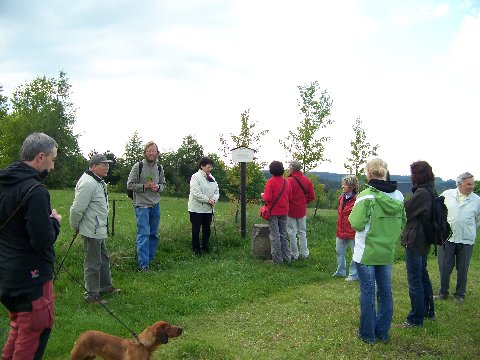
476, 188
188, 157
255, 181
175, 185
3, 105
303, 143
220, 173
112, 177
43, 105
133, 150
181, 164
133, 153
361, 150
246, 138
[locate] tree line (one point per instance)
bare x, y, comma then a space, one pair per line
44, 105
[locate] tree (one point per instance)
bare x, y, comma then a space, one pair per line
43, 105
361, 150
181, 164
220, 172
133, 153
133, 150
3, 105
255, 180
246, 138
303, 143
188, 157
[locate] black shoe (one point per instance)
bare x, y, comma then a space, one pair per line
458, 299
410, 325
440, 296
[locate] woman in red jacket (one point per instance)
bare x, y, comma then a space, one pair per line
277, 196
345, 233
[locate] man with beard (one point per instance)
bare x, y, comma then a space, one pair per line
28, 230
147, 180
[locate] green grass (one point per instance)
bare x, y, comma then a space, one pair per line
235, 306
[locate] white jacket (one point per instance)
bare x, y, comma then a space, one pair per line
463, 218
89, 211
200, 191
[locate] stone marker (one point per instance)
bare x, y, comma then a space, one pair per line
261, 241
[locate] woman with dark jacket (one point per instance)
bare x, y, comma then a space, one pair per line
417, 247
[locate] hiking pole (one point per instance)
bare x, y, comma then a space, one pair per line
64, 257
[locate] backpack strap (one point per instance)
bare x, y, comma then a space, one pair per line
19, 205
140, 168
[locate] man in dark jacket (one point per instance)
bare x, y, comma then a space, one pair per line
28, 230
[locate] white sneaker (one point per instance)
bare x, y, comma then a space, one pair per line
351, 279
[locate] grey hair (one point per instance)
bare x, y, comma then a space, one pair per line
35, 144
295, 165
464, 176
351, 181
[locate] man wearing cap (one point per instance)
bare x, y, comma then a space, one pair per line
89, 217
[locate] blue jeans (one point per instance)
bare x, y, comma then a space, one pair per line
341, 250
375, 324
419, 289
148, 220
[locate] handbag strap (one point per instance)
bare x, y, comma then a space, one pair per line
19, 206
280, 194
299, 183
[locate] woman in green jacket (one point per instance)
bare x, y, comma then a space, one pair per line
378, 218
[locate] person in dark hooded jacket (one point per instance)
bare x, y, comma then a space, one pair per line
419, 210
28, 230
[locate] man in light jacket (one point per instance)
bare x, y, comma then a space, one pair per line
464, 217
89, 218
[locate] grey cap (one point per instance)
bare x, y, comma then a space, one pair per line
97, 159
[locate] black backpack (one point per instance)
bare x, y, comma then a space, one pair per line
140, 167
438, 231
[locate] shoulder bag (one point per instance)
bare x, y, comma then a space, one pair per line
265, 211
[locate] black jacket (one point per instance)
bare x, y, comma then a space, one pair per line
26, 242
418, 209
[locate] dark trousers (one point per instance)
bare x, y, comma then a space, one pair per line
454, 255
419, 288
200, 220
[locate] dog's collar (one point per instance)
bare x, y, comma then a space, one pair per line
141, 343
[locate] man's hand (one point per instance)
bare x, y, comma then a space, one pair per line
56, 215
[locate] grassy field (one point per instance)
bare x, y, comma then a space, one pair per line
235, 306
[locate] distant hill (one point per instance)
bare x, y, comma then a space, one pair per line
332, 181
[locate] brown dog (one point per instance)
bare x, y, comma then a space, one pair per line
96, 343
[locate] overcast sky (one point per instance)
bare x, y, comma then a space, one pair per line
409, 69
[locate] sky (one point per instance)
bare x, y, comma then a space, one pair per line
409, 69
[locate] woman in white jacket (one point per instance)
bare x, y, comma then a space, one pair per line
203, 196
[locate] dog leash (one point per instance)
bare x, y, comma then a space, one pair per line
57, 272
133, 333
